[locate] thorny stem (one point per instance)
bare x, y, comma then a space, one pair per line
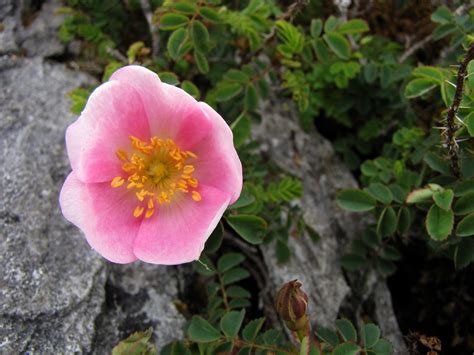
450, 125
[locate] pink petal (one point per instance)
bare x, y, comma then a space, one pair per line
113, 112
166, 106
105, 216
218, 164
177, 233
195, 126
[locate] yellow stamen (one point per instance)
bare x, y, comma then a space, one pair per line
117, 181
196, 196
156, 171
138, 211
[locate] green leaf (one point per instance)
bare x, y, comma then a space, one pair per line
465, 204
201, 62
227, 90
175, 348
172, 21
322, 51
316, 27
110, 69
383, 347
387, 223
229, 260
252, 329
234, 275
346, 349
239, 303
200, 330
355, 200
469, 121
418, 87
136, 344
338, 44
330, 24
238, 292
442, 15
237, 75
191, 89
249, 227
327, 335
370, 334
431, 73
214, 242
169, 78
385, 267
437, 163
231, 323
241, 130
465, 227
244, 200
464, 253
353, 262
443, 199
464, 188
209, 14
353, 26
204, 266
381, 193
176, 43
185, 8
370, 72
444, 30
403, 220
439, 223
251, 98
419, 195
200, 36
282, 251
390, 253
346, 329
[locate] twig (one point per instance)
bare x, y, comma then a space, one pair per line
116, 54
451, 143
412, 49
155, 35
292, 10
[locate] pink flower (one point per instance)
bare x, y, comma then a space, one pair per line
153, 170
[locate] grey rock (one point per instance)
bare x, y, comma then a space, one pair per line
57, 295
311, 157
30, 31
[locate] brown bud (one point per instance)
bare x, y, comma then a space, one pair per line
292, 305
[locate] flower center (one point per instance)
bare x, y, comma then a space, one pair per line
157, 171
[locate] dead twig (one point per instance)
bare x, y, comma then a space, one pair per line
154, 32
451, 127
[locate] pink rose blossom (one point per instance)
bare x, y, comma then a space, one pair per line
153, 170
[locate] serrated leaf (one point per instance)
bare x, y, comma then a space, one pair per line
327, 335
172, 21
353, 262
353, 26
443, 199
239, 303
136, 344
227, 90
465, 204
439, 223
381, 193
383, 347
238, 292
200, 36
465, 227
338, 44
191, 89
229, 260
185, 8
316, 27
200, 330
346, 329
355, 200
252, 329
251, 228
346, 349
209, 14
390, 253
250, 98
464, 253
387, 223
201, 62
418, 87
234, 275
322, 51
231, 323
430, 73
214, 242
370, 335
176, 43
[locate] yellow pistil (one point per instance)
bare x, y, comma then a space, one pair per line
156, 172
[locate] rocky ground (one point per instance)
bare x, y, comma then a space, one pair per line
57, 295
